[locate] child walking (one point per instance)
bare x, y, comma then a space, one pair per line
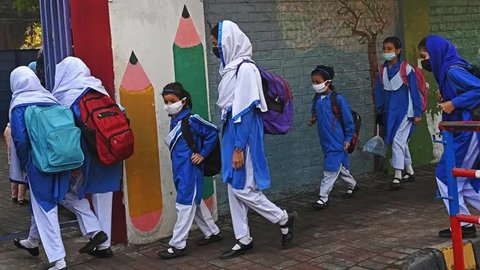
188, 171
400, 107
17, 180
334, 139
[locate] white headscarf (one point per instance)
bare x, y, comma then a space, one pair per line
26, 89
238, 92
72, 79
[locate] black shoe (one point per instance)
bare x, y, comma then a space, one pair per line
211, 239
14, 200
166, 255
32, 251
350, 192
467, 232
101, 253
319, 205
409, 179
396, 183
288, 237
235, 253
98, 239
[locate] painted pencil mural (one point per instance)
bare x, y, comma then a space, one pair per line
143, 168
189, 66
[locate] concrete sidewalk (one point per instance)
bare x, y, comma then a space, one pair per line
372, 230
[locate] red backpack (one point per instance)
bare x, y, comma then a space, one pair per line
421, 82
105, 128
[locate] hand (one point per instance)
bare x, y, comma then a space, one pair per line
447, 107
312, 121
346, 145
197, 158
417, 120
237, 160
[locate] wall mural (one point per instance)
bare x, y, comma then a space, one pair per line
143, 187
189, 66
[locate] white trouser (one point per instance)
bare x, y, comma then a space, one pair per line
47, 226
186, 214
400, 152
88, 222
250, 197
102, 204
329, 179
466, 193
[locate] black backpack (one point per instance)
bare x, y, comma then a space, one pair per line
212, 164
357, 120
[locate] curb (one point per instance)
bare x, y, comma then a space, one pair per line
441, 257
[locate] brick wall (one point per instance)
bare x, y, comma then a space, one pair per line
277, 30
458, 21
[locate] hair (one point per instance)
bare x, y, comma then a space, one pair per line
177, 89
397, 43
326, 72
423, 43
214, 31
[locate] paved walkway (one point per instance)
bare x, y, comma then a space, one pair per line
370, 231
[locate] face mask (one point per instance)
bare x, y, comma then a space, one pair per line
389, 56
216, 51
320, 88
174, 108
426, 65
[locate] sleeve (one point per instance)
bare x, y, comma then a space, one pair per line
469, 88
379, 96
347, 118
415, 94
207, 131
242, 130
20, 136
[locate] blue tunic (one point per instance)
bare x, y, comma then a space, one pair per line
188, 178
247, 132
330, 132
394, 105
48, 188
97, 177
463, 89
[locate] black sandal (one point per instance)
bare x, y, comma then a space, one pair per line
166, 254
319, 206
409, 179
396, 185
350, 192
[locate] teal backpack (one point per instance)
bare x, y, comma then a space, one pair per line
54, 138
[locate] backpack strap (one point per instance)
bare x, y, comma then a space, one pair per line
380, 73
403, 72
187, 134
241, 63
336, 109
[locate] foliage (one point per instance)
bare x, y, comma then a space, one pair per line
33, 37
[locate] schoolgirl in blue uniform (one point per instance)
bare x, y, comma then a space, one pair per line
333, 139
400, 108
188, 171
460, 93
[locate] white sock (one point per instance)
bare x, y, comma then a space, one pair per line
398, 174
244, 240
29, 243
60, 264
284, 230
409, 169
101, 248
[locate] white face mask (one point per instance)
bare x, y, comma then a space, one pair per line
320, 88
174, 108
389, 56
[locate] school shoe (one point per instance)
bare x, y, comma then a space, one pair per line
319, 205
350, 192
409, 179
102, 253
288, 237
32, 251
231, 253
467, 232
396, 183
98, 239
171, 253
211, 239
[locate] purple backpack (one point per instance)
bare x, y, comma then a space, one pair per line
278, 119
